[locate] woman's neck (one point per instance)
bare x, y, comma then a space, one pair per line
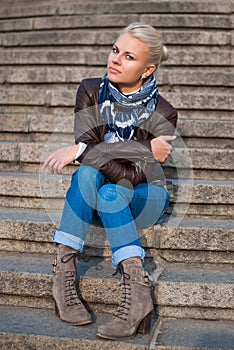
131, 93
129, 90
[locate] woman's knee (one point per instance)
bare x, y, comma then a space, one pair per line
112, 198
107, 193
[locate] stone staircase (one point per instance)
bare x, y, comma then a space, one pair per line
46, 49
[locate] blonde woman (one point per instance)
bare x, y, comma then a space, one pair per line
123, 129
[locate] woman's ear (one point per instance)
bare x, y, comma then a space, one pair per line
149, 70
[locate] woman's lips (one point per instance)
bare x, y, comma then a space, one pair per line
113, 70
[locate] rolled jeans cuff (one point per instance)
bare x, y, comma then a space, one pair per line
127, 252
68, 240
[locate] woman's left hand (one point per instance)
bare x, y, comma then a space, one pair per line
57, 160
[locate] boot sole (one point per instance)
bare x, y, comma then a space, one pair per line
76, 323
82, 323
142, 328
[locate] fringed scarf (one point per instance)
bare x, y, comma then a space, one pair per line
121, 113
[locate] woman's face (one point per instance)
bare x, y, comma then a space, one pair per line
128, 63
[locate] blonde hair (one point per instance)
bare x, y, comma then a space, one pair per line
151, 37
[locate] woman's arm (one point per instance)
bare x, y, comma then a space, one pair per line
63, 156
89, 129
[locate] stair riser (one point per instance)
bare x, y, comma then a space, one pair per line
66, 98
92, 37
218, 297
179, 57
112, 8
172, 244
169, 255
69, 75
181, 158
89, 21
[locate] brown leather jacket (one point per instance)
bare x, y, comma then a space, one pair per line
130, 160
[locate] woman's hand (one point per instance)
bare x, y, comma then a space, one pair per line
161, 149
57, 160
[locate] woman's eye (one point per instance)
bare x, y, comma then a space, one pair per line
114, 50
129, 57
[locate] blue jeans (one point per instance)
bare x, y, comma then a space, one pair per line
121, 210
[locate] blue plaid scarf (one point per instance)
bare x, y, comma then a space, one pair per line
120, 113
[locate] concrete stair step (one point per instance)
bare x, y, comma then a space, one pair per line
107, 37
188, 240
206, 292
44, 185
43, 123
176, 77
24, 328
163, 20
100, 7
64, 97
178, 57
181, 157
198, 197
177, 287
115, 20
192, 334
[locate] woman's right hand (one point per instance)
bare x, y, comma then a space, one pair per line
161, 149
57, 160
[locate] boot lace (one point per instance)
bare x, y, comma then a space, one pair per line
125, 299
71, 296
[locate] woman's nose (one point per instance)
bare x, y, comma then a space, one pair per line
116, 59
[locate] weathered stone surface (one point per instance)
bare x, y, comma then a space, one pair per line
50, 74
24, 185
52, 124
16, 24
55, 186
85, 21
45, 57
27, 11
180, 158
41, 329
50, 38
179, 76
193, 256
149, 7
200, 101
191, 234
64, 97
193, 334
22, 96
9, 151
176, 286
189, 286
94, 37
190, 20
28, 231
207, 128
14, 123
201, 313
177, 57
215, 210
201, 158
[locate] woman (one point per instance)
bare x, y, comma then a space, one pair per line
123, 129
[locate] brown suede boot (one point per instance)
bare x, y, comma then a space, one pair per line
135, 309
67, 303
